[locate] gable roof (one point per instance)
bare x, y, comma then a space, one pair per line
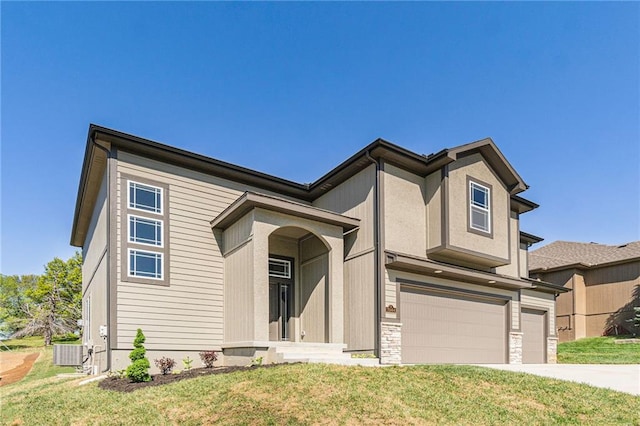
496, 160
564, 254
95, 160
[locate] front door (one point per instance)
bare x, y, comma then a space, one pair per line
279, 310
280, 297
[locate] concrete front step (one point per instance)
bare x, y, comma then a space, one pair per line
365, 362
327, 353
309, 348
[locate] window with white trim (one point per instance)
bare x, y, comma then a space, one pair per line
145, 264
86, 323
146, 251
145, 231
145, 197
279, 268
479, 207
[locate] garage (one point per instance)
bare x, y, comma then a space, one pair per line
534, 339
447, 327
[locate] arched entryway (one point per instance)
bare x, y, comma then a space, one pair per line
298, 286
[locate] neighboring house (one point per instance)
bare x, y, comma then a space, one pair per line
413, 258
605, 284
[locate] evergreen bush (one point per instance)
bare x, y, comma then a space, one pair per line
138, 371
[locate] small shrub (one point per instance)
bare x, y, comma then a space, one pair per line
187, 363
165, 364
256, 361
118, 374
208, 358
138, 371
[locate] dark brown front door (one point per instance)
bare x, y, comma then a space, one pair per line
280, 307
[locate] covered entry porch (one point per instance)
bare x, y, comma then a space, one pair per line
283, 278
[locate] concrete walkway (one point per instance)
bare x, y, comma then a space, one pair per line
622, 378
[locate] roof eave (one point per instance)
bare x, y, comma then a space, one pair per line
408, 263
251, 200
492, 154
529, 239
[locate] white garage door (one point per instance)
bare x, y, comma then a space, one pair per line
534, 340
446, 328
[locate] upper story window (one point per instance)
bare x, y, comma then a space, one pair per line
279, 268
145, 264
145, 197
86, 323
145, 231
480, 207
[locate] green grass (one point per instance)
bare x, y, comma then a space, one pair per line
311, 394
598, 350
26, 343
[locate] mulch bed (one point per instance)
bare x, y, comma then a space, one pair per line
125, 385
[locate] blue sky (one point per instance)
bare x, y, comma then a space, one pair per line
293, 89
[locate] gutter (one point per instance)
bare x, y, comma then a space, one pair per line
378, 254
108, 283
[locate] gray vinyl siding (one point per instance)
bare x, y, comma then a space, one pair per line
313, 298
239, 309
188, 314
96, 242
359, 302
355, 198
94, 277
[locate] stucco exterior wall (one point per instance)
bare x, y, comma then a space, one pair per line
404, 211
497, 245
524, 260
433, 199
512, 269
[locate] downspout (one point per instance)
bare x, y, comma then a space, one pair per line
108, 286
376, 245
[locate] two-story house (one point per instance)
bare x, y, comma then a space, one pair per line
413, 258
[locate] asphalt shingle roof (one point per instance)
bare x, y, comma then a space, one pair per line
563, 253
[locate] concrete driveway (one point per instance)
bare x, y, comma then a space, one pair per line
622, 378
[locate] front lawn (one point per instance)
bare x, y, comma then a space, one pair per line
312, 394
598, 350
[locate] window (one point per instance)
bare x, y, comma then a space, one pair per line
86, 324
145, 197
145, 264
279, 268
145, 231
480, 207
